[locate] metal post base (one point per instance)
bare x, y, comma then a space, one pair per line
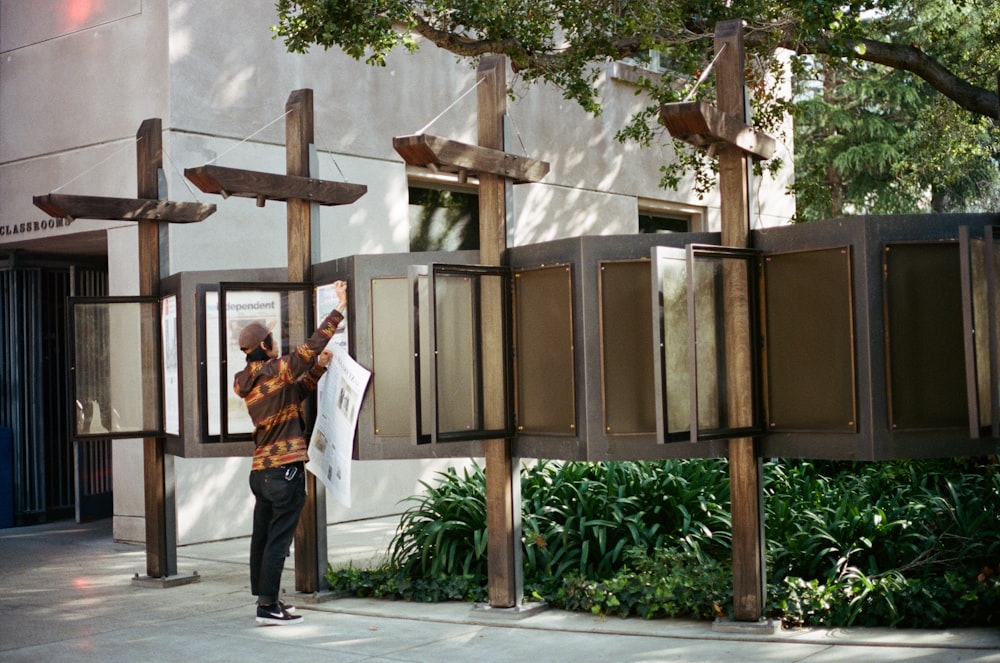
485, 610
762, 627
166, 582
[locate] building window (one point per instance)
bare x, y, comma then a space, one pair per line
443, 219
662, 216
656, 223
652, 60
650, 67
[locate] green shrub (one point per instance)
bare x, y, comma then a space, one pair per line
666, 583
907, 543
584, 518
391, 582
444, 534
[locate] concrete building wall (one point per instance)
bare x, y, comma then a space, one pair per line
77, 79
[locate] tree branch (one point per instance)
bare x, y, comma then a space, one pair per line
459, 44
897, 56
910, 58
907, 58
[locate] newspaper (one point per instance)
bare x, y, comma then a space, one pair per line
338, 402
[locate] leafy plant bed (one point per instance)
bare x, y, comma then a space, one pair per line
906, 543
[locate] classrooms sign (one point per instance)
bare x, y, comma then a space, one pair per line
12, 229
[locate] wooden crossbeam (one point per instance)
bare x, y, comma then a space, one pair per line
269, 186
702, 124
129, 209
452, 156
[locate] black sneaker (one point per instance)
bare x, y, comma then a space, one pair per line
275, 614
290, 609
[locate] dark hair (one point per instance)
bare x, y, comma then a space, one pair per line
258, 353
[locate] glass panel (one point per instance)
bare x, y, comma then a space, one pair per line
810, 341
390, 357
423, 336
627, 347
455, 352
925, 336
543, 318
284, 309
992, 265
116, 366
704, 287
720, 291
443, 220
213, 396
993, 288
471, 352
980, 312
171, 381
674, 365
493, 323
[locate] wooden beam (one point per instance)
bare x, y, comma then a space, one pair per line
161, 543
452, 156
310, 534
269, 186
127, 209
745, 481
505, 583
702, 124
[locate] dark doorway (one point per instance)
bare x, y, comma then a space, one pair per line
53, 477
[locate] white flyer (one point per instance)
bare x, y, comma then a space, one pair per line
338, 402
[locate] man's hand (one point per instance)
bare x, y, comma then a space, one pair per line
324, 358
340, 288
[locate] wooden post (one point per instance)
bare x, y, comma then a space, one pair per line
744, 457
300, 190
161, 543
149, 210
503, 484
310, 535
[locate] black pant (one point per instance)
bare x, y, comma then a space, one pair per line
280, 493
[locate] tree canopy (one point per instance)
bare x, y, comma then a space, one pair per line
873, 139
940, 57
558, 40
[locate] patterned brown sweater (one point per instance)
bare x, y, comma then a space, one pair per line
273, 391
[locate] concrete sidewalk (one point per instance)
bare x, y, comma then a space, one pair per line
67, 595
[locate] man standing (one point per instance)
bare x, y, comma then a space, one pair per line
273, 388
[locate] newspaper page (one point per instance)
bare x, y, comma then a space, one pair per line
338, 403
338, 400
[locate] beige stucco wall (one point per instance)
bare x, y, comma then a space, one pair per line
76, 80
75, 86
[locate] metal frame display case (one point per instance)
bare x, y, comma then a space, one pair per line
877, 337
198, 360
467, 393
865, 338
380, 325
585, 350
707, 363
116, 353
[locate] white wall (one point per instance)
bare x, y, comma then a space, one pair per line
214, 500
126, 455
